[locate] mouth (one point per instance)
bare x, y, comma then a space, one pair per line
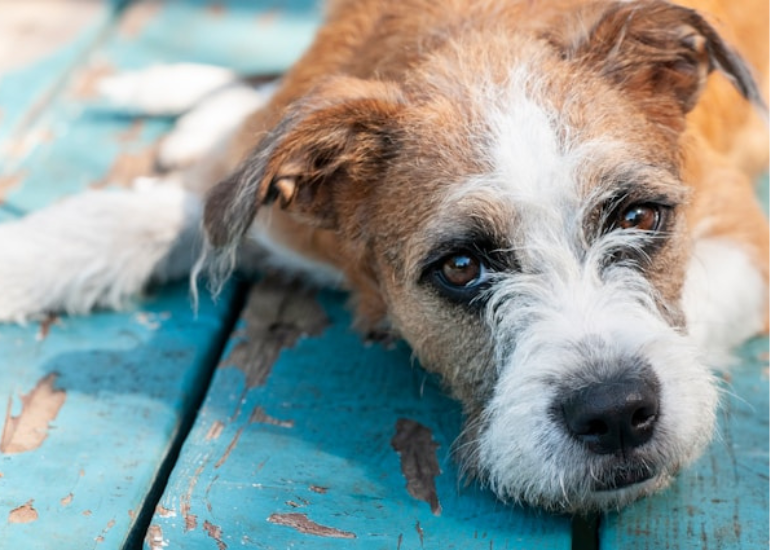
624, 478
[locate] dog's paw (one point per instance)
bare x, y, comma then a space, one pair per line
201, 129
164, 90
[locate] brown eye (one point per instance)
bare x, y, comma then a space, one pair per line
642, 217
461, 270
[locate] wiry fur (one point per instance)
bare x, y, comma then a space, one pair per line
511, 130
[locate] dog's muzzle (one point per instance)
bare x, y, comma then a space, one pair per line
615, 417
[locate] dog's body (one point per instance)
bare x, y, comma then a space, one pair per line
550, 201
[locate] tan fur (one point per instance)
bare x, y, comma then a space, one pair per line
384, 117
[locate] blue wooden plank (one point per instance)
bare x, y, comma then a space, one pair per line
49, 40
93, 406
300, 453
261, 38
722, 501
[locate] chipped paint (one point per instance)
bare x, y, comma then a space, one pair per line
87, 513
39, 407
318, 489
110, 525
420, 533
8, 183
190, 519
154, 538
303, 524
215, 532
260, 416
164, 512
45, 326
66, 501
276, 317
129, 166
23, 514
87, 81
215, 430
415, 445
138, 16
229, 449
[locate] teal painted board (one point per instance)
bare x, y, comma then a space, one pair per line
92, 407
296, 446
40, 43
253, 37
721, 502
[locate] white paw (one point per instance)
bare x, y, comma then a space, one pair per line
164, 90
96, 249
201, 129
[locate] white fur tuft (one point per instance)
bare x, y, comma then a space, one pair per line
96, 249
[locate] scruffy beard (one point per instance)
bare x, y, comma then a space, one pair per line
557, 334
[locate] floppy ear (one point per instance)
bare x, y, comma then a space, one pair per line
320, 160
658, 53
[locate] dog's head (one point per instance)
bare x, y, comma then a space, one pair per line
514, 207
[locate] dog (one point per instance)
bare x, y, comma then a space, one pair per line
550, 201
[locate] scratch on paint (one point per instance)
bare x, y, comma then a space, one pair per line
23, 514
190, 520
229, 449
414, 444
110, 525
421, 533
215, 532
45, 326
39, 407
301, 523
215, 430
154, 538
259, 415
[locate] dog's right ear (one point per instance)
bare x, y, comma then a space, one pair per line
329, 150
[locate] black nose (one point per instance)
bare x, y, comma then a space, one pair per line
613, 416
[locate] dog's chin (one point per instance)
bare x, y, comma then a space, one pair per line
625, 491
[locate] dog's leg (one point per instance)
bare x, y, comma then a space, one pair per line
102, 248
96, 249
200, 130
164, 90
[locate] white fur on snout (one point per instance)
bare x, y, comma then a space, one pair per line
565, 299
545, 323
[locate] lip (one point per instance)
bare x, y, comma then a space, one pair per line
624, 479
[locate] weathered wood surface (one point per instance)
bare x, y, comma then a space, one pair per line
310, 439
94, 405
720, 502
304, 440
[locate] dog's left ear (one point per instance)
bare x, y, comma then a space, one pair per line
658, 53
319, 161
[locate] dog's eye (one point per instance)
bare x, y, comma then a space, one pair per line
642, 217
461, 270
460, 276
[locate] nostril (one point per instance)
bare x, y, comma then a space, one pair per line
643, 418
597, 427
